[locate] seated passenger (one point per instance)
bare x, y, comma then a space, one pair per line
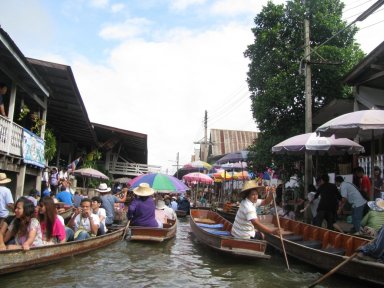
374, 250
184, 204
3, 229
163, 213
85, 223
247, 225
100, 212
25, 227
141, 211
52, 229
374, 219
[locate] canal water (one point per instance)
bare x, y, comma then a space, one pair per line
180, 262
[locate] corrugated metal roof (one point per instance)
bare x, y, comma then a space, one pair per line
227, 141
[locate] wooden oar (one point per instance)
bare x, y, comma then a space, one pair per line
278, 226
333, 270
126, 229
325, 276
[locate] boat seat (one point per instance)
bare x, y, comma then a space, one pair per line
333, 250
311, 243
212, 226
217, 232
204, 220
293, 237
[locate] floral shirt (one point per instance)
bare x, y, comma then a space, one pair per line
33, 225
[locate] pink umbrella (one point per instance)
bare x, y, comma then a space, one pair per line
196, 177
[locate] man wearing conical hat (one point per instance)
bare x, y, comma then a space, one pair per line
247, 225
6, 199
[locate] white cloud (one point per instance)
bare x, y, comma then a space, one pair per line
117, 7
184, 4
99, 3
238, 7
129, 29
163, 88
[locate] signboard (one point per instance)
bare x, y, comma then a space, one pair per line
33, 149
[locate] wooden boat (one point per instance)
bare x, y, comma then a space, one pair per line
18, 260
214, 231
230, 216
181, 213
324, 249
138, 233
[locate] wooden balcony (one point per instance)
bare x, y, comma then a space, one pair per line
11, 137
131, 169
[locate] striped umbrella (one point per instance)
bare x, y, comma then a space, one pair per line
161, 183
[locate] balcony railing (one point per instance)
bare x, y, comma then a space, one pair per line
365, 162
131, 169
11, 137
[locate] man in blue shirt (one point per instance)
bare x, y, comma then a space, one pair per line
109, 201
65, 196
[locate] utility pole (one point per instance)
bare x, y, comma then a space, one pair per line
177, 165
205, 155
308, 99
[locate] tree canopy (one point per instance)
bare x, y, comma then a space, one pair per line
277, 87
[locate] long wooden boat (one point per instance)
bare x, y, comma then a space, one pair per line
138, 233
324, 249
18, 260
214, 231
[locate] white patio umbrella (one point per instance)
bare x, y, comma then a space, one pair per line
364, 124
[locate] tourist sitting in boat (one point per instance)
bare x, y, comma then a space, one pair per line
85, 223
163, 213
52, 228
109, 200
373, 251
374, 219
350, 193
184, 204
25, 228
141, 211
100, 212
174, 203
64, 196
246, 224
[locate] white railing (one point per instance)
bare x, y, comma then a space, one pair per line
11, 137
133, 169
365, 162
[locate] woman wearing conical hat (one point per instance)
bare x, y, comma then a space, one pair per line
247, 225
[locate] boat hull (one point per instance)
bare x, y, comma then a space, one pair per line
325, 257
150, 234
225, 244
18, 260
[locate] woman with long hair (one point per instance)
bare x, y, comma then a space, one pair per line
25, 227
52, 229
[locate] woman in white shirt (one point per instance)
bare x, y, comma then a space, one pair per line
247, 225
101, 213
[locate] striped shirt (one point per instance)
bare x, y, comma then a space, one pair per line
243, 227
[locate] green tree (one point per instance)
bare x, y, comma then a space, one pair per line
277, 87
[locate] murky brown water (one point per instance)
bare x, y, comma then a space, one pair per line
181, 262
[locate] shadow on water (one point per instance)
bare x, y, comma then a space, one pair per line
180, 262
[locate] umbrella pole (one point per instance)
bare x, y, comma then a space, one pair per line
372, 165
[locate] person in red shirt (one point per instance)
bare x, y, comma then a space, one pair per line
364, 182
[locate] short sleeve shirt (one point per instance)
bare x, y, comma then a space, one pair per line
5, 199
84, 222
350, 192
243, 227
33, 225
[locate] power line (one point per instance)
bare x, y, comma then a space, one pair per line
372, 25
357, 6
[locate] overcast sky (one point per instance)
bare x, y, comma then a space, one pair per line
155, 66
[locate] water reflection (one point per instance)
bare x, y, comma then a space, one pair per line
181, 262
